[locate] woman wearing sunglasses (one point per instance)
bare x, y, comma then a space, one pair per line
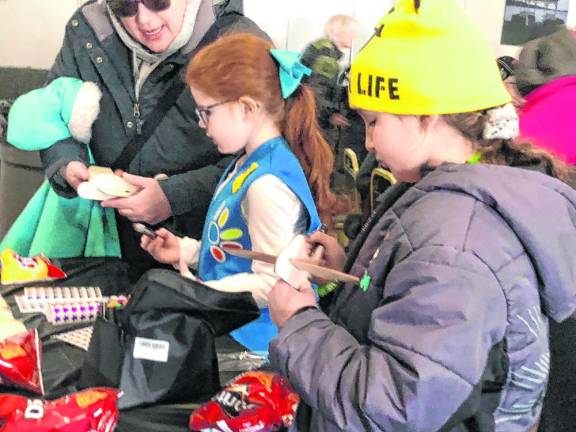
135, 51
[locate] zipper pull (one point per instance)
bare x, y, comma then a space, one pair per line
137, 118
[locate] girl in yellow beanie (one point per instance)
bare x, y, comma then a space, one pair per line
462, 265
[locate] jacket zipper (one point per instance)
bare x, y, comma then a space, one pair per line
136, 113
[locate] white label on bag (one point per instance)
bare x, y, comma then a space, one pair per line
222, 425
151, 349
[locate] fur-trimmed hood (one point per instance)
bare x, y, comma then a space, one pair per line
65, 108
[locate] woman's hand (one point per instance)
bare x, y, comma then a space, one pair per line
148, 205
74, 173
165, 248
339, 120
284, 301
334, 256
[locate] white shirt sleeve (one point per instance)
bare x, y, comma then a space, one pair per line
274, 215
189, 251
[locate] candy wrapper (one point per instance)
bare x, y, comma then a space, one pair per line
253, 402
20, 361
92, 410
17, 269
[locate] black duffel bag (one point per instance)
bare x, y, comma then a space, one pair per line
161, 347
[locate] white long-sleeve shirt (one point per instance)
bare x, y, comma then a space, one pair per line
274, 215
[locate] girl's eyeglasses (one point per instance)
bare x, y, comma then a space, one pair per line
129, 8
203, 113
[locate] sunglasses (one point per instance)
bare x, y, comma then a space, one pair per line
129, 8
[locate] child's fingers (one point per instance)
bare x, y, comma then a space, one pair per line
164, 234
145, 242
155, 246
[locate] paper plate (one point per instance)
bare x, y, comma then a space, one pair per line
88, 190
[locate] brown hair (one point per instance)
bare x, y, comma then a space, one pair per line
241, 65
504, 152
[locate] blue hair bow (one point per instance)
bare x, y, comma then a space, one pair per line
290, 71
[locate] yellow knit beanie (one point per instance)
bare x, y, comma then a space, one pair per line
430, 59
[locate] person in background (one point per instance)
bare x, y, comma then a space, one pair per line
135, 51
250, 102
323, 56
351, 135
460, 268
546, 78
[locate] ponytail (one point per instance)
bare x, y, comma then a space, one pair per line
305, 138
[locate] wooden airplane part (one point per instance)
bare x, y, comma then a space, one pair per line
301, 264
250, 254
114, 185
323, 272
94, 170
103, 184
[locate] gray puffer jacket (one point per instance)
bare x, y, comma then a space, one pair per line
449, 329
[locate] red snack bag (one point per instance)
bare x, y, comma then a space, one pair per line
92, 410
252, 402
20, 361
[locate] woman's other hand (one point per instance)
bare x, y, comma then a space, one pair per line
339, 120
74, 173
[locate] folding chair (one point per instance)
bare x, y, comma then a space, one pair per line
351, 165
380, 180
351, 168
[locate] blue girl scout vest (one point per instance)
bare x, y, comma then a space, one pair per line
225, 226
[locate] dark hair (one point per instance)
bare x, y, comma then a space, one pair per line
241, 65
504, 152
